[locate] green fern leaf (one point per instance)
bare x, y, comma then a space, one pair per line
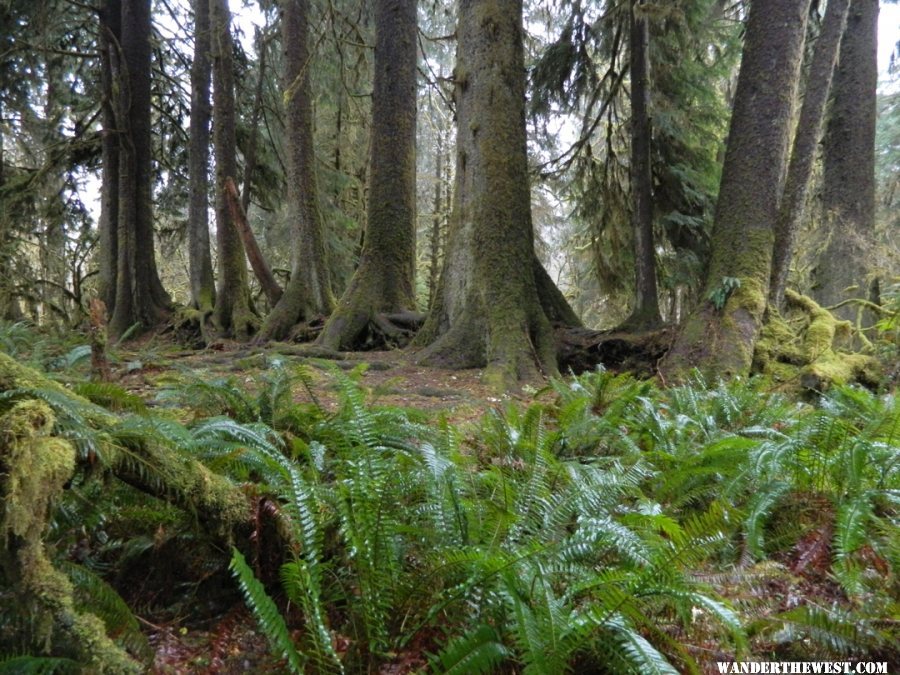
478, 651
270, 620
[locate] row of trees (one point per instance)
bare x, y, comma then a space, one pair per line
668, 214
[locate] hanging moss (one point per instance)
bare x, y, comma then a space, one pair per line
34, 467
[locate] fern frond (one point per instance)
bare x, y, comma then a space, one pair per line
102, 600
38, 665
110, 396
270, 620
478, 651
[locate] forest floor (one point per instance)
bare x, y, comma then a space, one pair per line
223, 638
226, 640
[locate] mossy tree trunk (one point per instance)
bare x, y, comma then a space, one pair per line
720, 334
438, 217
140, 296
203, 285
308, 293
848, 191
234, 316
806, 140
488, 309
645, 313
384, 282
108, 247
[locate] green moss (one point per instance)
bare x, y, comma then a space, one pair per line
802, 348
34, 467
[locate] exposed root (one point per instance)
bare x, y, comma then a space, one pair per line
580, 349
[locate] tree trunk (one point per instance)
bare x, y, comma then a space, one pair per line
203, 285
308, 293
257, 261
234, 316
437, 219
384, 282
488, 309
848, 193
809, 129
140, 296
110, 39
645, 313
719, 335
250, 158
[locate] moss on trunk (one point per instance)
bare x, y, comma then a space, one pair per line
384, 282
488, 310
719, 340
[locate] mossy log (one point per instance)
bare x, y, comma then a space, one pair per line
35, 464
809, 347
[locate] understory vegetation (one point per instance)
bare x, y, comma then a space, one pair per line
607, 526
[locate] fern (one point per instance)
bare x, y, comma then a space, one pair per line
38, 665
103, 601
267, 615
478, 651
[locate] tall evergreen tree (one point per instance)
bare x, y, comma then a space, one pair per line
308, 293
109, 41
140, 297
384, 281
806, 140
203, 292
233, 313
848, 190
494, 299
645, 313
720, 334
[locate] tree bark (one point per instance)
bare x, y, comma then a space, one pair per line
719, 335
308, 293
488, 311
140, 296
437, 219
809, 130
645, 313
234, 316
250, 158
848, 192
110, 39
255, 257
384, 282
203, 285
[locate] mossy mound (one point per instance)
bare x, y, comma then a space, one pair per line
808, 347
